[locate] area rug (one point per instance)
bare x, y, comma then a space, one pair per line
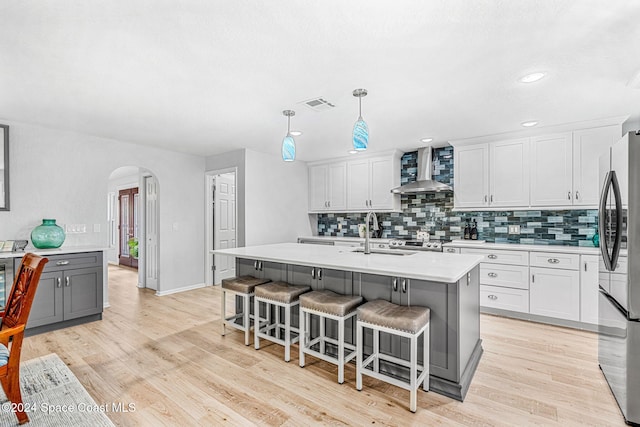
53, 396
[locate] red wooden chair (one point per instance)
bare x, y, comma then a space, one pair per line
14, 320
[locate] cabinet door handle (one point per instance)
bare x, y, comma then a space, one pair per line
62, 262
553, 261
313, 272
492, 297
404, 286
329, 203
492, 274
492, 256
569, 195
485, 198
395, 284
577, 195
67, 281
319, 274
492, 198
533, 278
260, 265
585, 266
451, 250
255, 265
59, 283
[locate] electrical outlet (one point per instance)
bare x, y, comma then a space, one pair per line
514, 229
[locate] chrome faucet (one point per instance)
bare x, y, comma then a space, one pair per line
367, 250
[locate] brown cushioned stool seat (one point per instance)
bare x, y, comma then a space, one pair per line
242, 287
280, 296
389, 315
404, 321
243, 284
326, 304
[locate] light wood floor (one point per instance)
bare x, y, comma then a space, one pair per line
166, 355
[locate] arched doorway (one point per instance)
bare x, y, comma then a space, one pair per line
132, 217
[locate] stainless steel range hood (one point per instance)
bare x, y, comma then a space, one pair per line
424, 184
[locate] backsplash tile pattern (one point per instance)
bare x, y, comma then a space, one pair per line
433, 212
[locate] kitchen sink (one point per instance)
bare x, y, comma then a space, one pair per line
386, 251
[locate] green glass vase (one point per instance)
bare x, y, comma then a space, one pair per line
47, 235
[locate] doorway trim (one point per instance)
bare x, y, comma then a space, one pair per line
209, 226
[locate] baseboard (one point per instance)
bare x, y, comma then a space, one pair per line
183, 289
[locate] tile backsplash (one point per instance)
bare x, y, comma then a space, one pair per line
433, 212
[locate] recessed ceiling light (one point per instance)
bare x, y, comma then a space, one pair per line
296, 133
533, 77
529, 124
426, 139
353, 152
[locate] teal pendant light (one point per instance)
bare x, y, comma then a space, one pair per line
288, 143
360, 129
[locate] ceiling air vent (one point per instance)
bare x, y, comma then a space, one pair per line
318, 104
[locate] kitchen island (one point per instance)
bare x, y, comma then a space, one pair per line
446, 283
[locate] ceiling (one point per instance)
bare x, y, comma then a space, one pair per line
206, 77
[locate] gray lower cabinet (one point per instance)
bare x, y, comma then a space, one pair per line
70, 291
454, 328
262, 269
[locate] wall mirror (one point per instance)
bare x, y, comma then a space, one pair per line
4, 168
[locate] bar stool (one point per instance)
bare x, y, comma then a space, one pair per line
280, 295
242, 286
404, 321
327, 305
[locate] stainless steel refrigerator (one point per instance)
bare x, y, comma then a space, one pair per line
619, 273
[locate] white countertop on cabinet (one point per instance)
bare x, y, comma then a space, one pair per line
59, 251
581, 250
434, 266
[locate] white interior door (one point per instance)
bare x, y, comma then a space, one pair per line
224, 224
151, 232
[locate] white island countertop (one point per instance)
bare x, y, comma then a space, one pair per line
434, 266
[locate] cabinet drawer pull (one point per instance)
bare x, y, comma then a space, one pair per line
313, 272
492, 256
395, 284
67, 281
553, 261
62, 262
485, 198
569, 195
492, 274
404, 286
58, 283
492, 297
319, 274
255, 265
451, 250
577, 195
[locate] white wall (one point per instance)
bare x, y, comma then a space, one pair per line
64, 175
276, 199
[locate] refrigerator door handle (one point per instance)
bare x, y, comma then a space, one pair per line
602, 213
618, 242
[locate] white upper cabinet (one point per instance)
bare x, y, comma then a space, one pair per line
509, 173
358, 185
328, 187
471, 176
588, 146
551, 170
492, 175
370, 182
565, 166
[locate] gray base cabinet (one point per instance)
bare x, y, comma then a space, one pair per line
70, 288
456, 347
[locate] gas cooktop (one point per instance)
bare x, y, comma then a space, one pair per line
417, 245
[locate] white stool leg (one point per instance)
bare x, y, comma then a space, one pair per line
376, 349
256, 323
322, 331
245, 317
287, 333
359, 351
413, 373
341, 350
426, 358
302, 342
277, 310
223, 308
